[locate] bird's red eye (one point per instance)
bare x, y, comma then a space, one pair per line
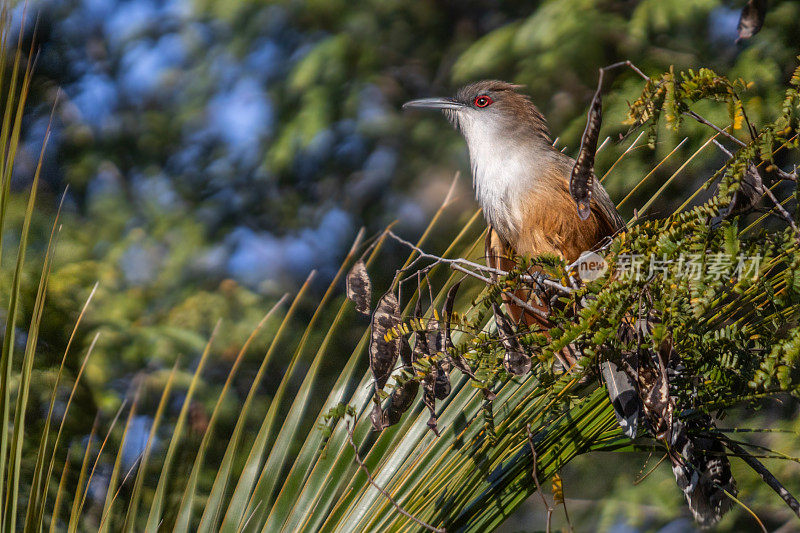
482, 101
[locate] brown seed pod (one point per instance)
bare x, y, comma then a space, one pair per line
359, 287
750, 191
441, 386
402, 397
429, 397
447, 314
581, 183
377, 417
751, 19
659, 406
623, 395
401, 400
382, 353
515, 361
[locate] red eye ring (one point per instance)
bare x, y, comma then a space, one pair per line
482, 101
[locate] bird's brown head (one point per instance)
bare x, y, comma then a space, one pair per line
489, 107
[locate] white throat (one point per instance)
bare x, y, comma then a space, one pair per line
505, 171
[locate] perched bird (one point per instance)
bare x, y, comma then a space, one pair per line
521, 180
522, 184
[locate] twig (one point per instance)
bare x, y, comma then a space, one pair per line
721, 147
535, 477
629, 65
792, 176
762, 471
783, 212
513, 296
786, 175
714, 127
466, 263
382, 490
768, 192
653, 469
746, 508
688, 113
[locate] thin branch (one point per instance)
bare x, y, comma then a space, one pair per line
762, 471
768, 192
461, 264
381, 489
653, 469
535, 477
688, 113
792, 176
746, 508
722, 132
511, 295
783, 212
629, 65
786, 175
721, 147
466, 263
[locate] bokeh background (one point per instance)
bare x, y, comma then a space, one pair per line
213, 153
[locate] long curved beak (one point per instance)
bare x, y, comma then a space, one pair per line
433, 103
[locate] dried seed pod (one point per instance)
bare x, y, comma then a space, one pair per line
751, 19
401, 400
382, 353
434, 346
441, 386
422, 348
655, 399
750, 191
402, 397
377, 417
432, 425
447, 314
515, 361
658, 405
429, 397
359, 287
702, 470
581, 183
406, 357
624, 397
435, 341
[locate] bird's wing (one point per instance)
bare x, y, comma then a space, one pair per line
604, 207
